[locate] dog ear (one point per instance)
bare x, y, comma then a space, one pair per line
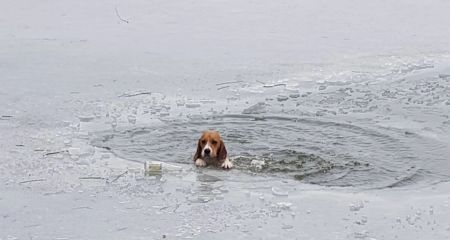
222, 153
198, 154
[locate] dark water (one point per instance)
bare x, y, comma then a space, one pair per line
307, 149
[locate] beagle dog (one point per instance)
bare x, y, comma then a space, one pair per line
211, 151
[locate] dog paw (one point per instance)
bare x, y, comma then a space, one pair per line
200, 163
227, 164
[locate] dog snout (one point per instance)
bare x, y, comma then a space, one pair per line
207, 151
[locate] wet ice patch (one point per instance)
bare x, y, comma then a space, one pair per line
309, 150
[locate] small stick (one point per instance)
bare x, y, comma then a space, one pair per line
53, 193
95, 178
84, 207
53, 153
274, 85
135, 94
32, 225
223, 87
33, 180
263, 83
218, 84
118, 15
105, 147
119, 176
176, 207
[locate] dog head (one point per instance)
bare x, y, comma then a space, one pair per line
210, 146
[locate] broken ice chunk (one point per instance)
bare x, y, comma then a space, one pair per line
193, 105
87, 118
282, 98
255, 109
152, 167
279, 192
257, 165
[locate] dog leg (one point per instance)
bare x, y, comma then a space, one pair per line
200, 162
227, 164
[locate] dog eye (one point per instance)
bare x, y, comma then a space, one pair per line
214, 142
203, 141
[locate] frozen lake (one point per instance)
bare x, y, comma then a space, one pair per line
344, 106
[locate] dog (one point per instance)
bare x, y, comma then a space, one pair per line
211, 151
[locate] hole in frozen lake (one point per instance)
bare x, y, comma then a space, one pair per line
309, 150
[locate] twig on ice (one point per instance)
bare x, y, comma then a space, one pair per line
53, 153
118, 15
223, 87
224, 83
119, 176
94, 178
33, 180
135, 94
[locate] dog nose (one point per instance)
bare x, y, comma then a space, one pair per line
207, 151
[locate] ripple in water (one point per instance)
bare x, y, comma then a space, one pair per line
309, 150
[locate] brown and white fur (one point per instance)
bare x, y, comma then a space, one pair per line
211, 151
